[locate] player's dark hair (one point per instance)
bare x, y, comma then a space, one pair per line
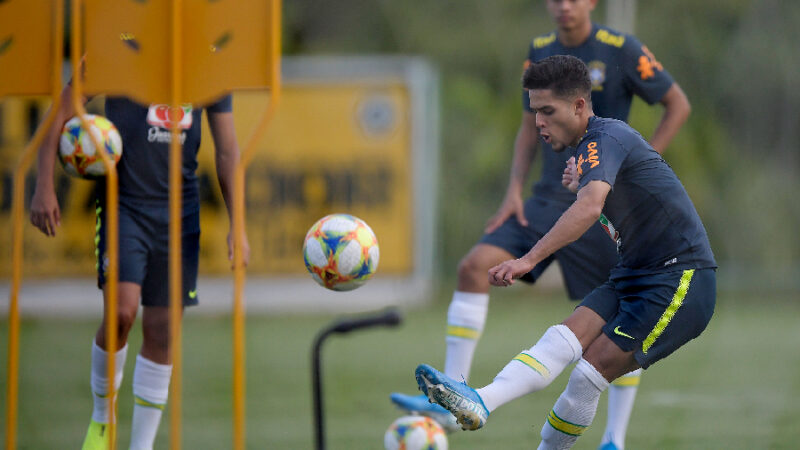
567, 76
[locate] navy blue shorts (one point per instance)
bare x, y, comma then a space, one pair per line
585, 264
144, 250
655, 314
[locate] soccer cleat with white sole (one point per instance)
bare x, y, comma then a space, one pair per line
458, 398
419, 404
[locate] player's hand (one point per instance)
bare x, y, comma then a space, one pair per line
245, 250
512, 206
570, 177
504, 273
45, 213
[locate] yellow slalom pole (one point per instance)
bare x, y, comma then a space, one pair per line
239, 233
175, 207
112, 218
17, 213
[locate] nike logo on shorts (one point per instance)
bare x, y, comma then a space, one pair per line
621, 333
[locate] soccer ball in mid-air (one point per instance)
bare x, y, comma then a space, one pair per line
76, 150
341, 252
415, 433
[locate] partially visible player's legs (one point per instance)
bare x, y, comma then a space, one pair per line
466, 317
468, 310
151, 377
621, 396
586, 264
469, 307
127, 306
530, 371
534, 369
575, 408
661, 313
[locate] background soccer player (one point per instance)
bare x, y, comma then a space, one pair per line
143, 243
619, 67
659, 296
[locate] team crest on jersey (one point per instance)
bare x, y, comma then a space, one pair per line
597, 72
163, 116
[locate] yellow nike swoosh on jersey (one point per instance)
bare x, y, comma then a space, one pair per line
193, 293
618, 332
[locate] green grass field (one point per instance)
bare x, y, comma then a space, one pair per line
736, 387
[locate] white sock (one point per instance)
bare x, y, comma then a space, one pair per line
465, 320
533, 369
574, 409
99, 380
150, 392
621, 395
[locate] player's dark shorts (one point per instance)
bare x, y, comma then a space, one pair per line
653, 315
585, 264
144, 250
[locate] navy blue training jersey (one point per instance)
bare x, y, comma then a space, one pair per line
647, 212
145, 130
619, 66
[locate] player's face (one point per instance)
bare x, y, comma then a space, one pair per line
570, 14
558, 119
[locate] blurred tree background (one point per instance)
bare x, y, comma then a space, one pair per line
736, 60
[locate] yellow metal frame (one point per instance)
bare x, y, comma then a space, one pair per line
175, 280
239, 234
112, 217
17, 212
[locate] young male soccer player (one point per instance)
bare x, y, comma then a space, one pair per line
659, 296
143, 243
619, 67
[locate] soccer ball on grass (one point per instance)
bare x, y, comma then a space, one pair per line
341, 252
415, 433
76, 150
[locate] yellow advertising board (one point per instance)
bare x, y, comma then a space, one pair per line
323, 153
355, 136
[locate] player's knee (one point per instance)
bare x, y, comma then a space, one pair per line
470, 268
609, 360
125, 320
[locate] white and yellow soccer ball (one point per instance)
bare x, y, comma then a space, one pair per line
341, 252
415, 433
76, 150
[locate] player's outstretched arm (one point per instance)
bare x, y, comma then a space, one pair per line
569, 227
676, 111
45, 212
525, 146
226, 157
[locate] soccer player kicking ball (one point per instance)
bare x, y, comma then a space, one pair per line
660, 295
620, 68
